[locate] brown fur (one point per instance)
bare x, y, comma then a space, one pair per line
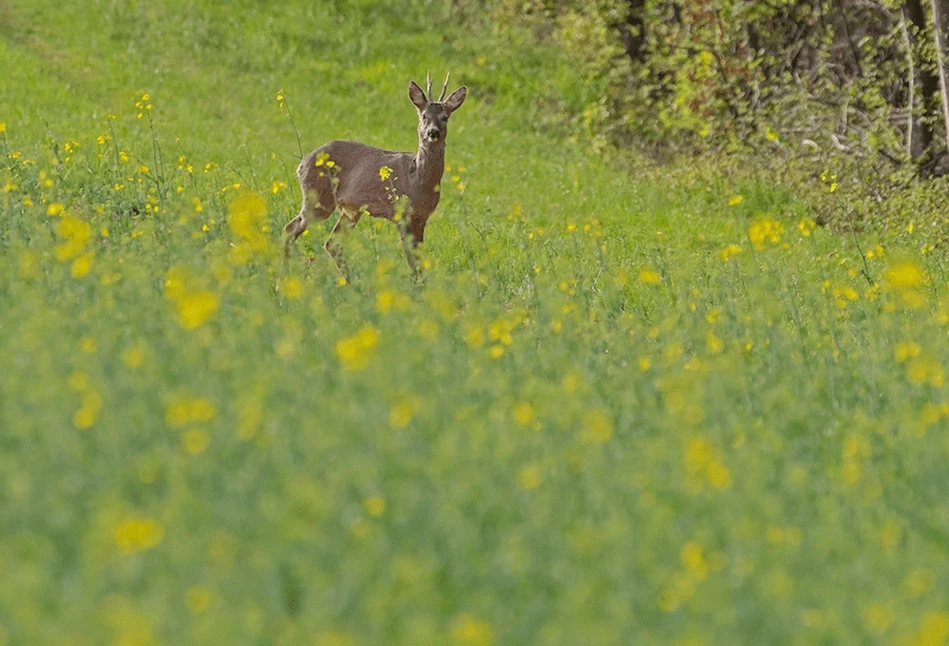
353, 185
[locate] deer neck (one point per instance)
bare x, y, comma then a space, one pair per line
430, 164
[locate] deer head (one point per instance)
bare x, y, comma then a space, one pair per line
433, 115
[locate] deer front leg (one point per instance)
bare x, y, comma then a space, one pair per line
415, 233
292, 231
345, 222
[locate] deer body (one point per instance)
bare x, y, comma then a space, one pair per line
356, 178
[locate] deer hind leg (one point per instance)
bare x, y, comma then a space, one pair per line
346, 221
311, 210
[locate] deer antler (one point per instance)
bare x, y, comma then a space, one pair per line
428, 85
444, 88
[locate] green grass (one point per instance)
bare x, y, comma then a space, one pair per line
618, 410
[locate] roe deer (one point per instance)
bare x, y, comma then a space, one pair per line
398, 186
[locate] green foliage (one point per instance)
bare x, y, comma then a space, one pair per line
729, 74
628, 404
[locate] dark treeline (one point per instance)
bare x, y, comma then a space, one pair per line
855, 77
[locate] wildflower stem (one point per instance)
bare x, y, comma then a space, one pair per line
293, 123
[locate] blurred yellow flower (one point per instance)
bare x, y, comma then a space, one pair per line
247, 220
529, 477
181, 411
198, 599
76, 234
81, 265
693, 560
597, 427
649, 276
474, 337
133, 356
355, 351
401, 415
735, 200
523, 413
292, 288
88, 412
195, 441
375, 506
764, 232
903, 275
197, 308
468, 630
135, 535
906, 350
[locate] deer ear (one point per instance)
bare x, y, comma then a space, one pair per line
416, 96
457, 97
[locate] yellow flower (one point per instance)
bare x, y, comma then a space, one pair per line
935, 629
54, 209
133, 357
597, 427
764, 232
76, 234
3, 127
81, 265
806, 226
375, 506
195, 441
922, 370
181, 412
384, 173
354, 352
197, 599
529, 477
735, 200
523, 414
196, 308
903, 275
138, 535
401, 415
694, 561
292, 288
86, 416
468, 630
719, 476
474, 337
247, 220
78, 381
714, 344
649, 276
906, 350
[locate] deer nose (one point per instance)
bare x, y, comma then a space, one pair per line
434, 134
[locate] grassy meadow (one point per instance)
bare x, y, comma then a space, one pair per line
626, 405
